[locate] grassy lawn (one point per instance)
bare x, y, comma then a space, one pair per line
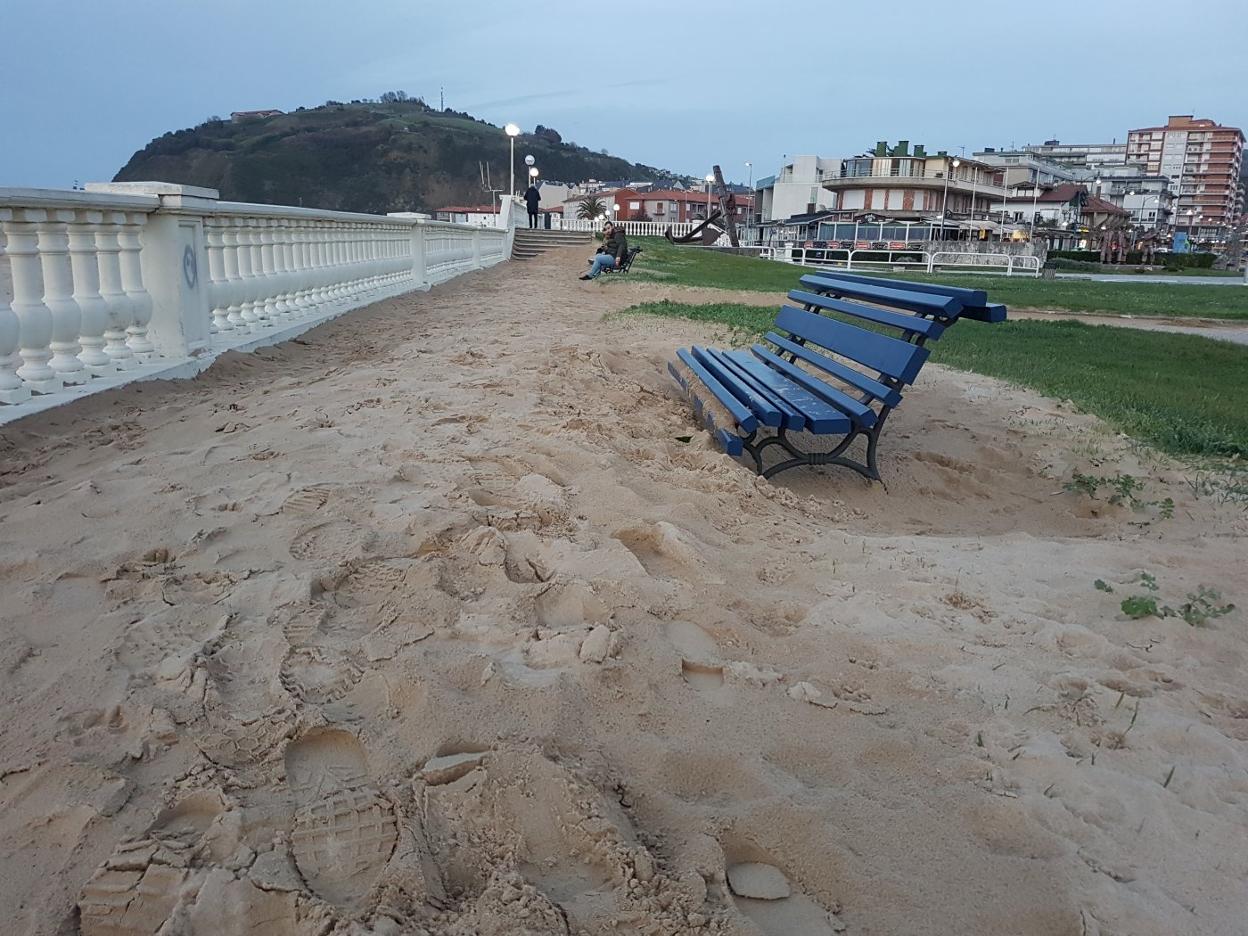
1180, 393
692, 266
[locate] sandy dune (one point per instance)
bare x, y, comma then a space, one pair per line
430, 622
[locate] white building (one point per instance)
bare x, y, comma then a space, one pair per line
1022, 166
796, 189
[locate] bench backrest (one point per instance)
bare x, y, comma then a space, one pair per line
869, 351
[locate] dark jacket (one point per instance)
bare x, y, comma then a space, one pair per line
617, 244
532, 198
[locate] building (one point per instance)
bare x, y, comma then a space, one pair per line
240, 116
1067, 215
1146, 198
1202, 159
1087, 157
898, 183
482, 215
796, 189
1016, 166
672, 206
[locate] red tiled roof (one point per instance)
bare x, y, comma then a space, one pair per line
1097, 205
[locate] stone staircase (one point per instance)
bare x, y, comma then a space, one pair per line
531, 242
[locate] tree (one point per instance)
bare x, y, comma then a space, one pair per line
591, 207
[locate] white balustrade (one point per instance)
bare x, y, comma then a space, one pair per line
125, 280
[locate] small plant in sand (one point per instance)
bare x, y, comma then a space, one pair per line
1124, 489
1201, 606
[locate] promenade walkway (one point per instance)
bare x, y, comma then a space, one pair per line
459, 572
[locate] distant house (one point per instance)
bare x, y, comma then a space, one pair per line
240, 116
674, 206
481, 215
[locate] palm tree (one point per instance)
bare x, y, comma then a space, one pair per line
591, 207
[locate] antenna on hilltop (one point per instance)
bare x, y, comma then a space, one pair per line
441, 98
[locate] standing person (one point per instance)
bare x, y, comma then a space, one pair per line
532, 198
611, 255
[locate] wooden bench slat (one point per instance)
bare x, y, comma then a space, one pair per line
940, 306
856, 410
792, 417
928, 328
969, 297
890, 356
864, 382
745, 419
762, 407
731, 443
821, 417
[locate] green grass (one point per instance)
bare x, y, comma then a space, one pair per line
692, 266
1182, 394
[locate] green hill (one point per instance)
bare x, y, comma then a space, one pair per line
393, 155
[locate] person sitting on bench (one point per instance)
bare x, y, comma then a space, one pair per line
612, 253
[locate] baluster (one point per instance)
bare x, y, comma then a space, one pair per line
85, 264
246, 271
34, 318
218, 284
58, 296
268, 282
132, 282
281, 264
234, 287
108, 252
303, 267
12, 390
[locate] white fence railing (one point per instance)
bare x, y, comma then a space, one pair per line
914, 260
631, 228
126, 281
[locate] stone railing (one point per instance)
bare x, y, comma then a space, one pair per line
139, 280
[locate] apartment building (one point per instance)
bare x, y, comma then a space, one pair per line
796, 189
1018, 166
1087, 157
1202, 159
901, 182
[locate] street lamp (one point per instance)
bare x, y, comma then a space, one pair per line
749, 165
944, 202
709, 179
615, 210
512, 132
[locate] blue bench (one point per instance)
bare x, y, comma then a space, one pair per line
820, 372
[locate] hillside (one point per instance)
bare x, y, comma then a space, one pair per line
399, 155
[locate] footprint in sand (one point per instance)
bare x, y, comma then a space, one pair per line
345, 830
307, 500
765, 894
336, 540
700, 662
318, 677
664, 550
248, 711
138, 887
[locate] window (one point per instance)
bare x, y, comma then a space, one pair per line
634, 205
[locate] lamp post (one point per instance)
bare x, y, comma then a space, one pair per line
1035, 203
512, 132
615, 211
709, 179
944, 202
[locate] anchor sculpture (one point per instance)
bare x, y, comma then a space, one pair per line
720, 221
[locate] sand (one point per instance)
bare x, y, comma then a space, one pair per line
433, 622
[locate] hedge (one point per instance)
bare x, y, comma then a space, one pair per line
1200, 261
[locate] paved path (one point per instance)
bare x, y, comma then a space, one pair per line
1205, 328
1154, 278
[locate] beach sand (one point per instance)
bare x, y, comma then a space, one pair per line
446, 618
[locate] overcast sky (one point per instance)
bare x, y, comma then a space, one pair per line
679, 85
